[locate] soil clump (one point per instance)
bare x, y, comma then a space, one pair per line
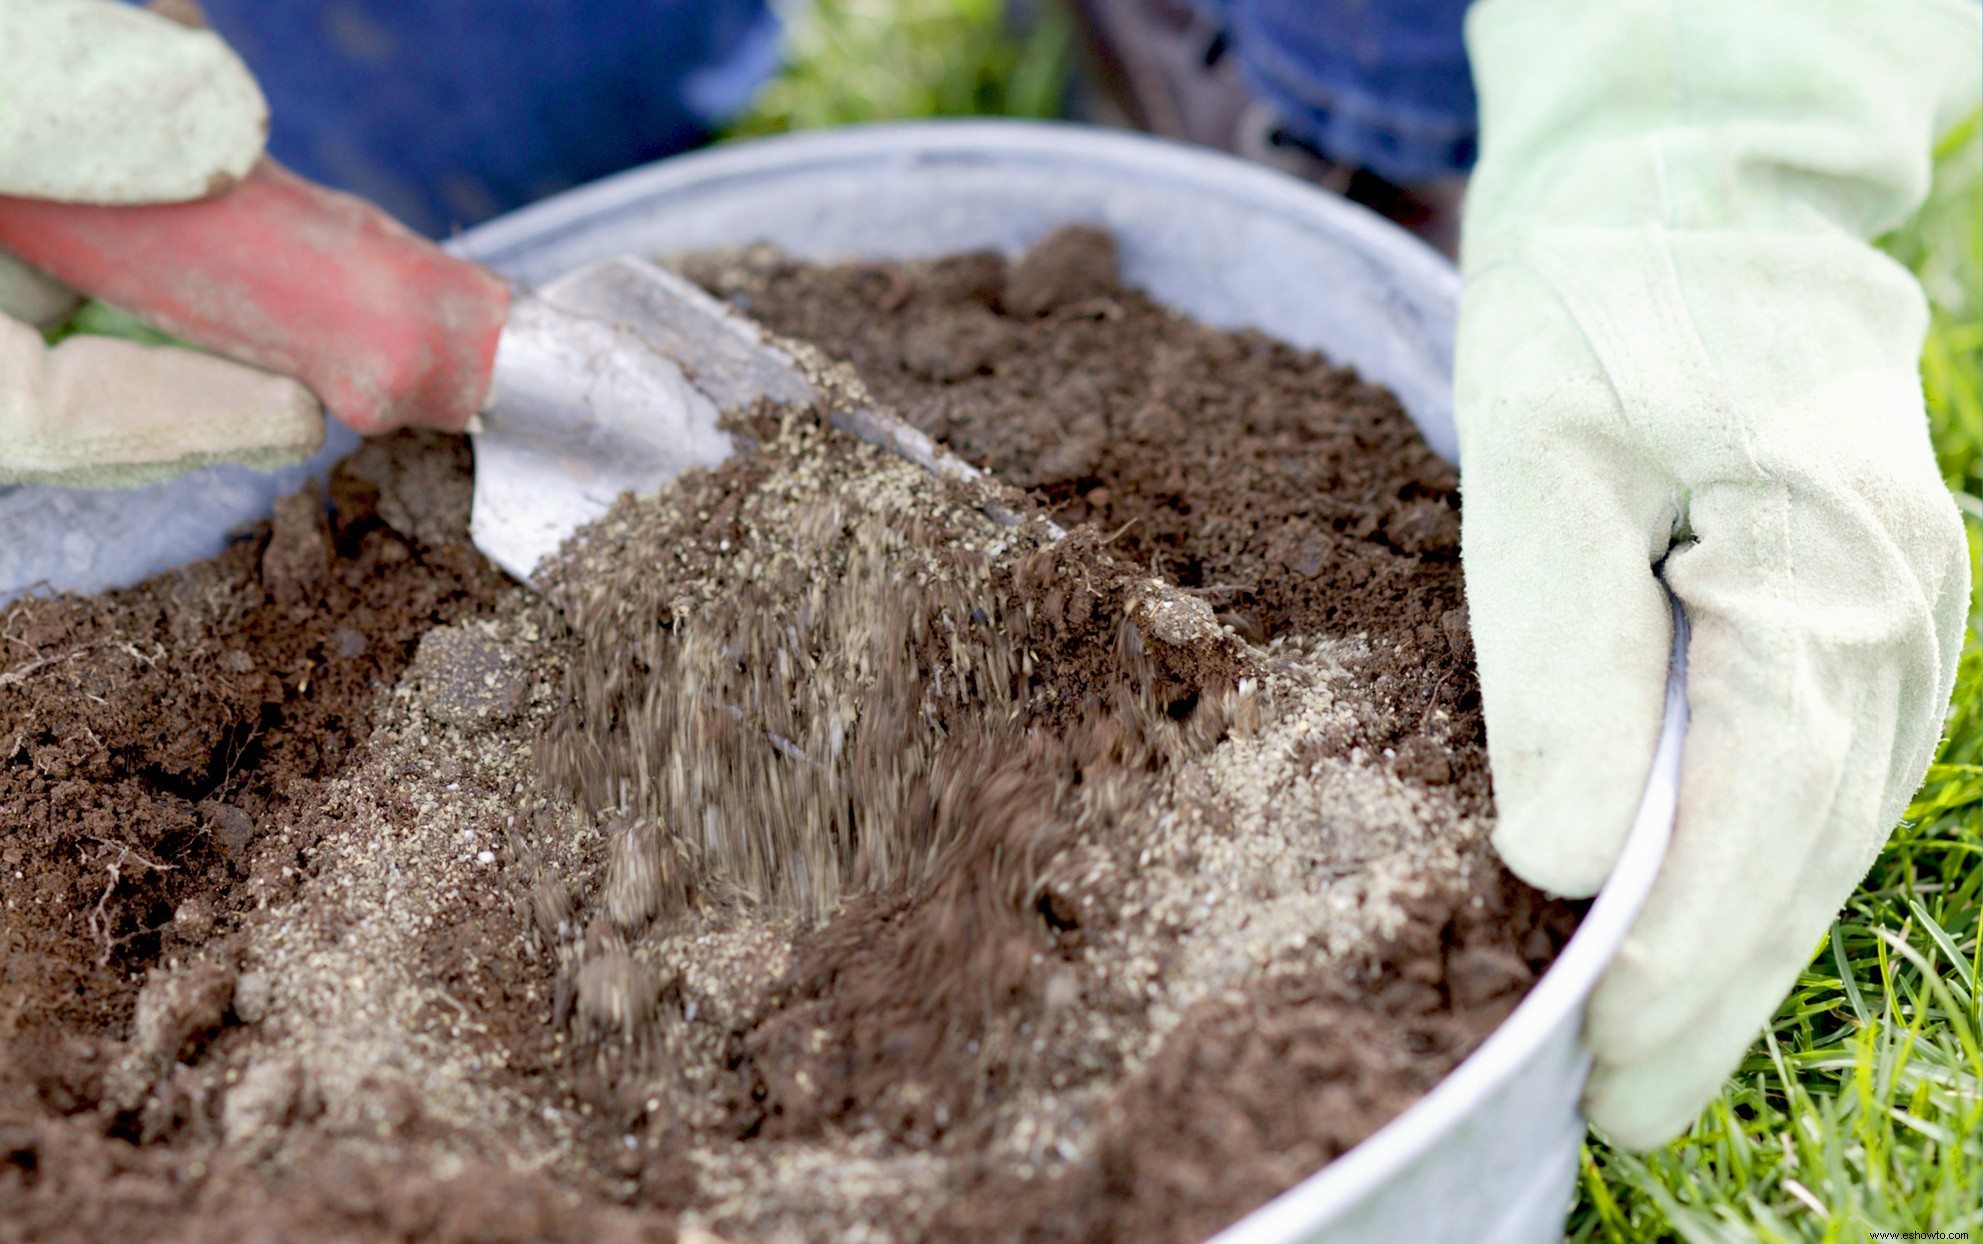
816, 857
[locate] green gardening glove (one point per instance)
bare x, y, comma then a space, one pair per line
1680, 358
103, 103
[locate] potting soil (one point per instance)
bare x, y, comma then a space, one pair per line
816, 858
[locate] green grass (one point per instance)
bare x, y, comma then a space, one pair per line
100, 319
1861, 1108
866, 60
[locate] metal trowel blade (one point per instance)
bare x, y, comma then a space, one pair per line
606, 381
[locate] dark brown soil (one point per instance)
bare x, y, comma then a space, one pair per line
158, 744
1251, 1096
62, 1179
1293, 496
163, 751
160, 752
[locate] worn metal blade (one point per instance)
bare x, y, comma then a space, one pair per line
611, 380
607, 381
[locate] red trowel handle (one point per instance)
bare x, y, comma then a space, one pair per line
383, 325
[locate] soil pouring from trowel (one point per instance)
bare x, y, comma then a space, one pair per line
840, 842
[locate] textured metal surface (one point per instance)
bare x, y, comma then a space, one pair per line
1490, 1154
610, 380
86, 540
587, 403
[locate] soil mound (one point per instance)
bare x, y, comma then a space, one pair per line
819, 857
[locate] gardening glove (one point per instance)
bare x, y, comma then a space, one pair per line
103, 103
1680, 359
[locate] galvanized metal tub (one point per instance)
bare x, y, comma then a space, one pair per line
1489, 1156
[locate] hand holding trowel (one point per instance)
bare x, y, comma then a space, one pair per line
608, 380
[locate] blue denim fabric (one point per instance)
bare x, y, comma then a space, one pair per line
1376, 84
447, 112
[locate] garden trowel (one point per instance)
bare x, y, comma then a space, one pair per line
610, 379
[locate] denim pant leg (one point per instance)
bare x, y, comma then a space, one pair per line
1376, 84
447, 112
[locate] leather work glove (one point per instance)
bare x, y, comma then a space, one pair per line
1679, 358
106, 104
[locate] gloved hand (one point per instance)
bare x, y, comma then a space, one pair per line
104, 103
1679, 357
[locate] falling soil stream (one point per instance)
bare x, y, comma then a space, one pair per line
815, 858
